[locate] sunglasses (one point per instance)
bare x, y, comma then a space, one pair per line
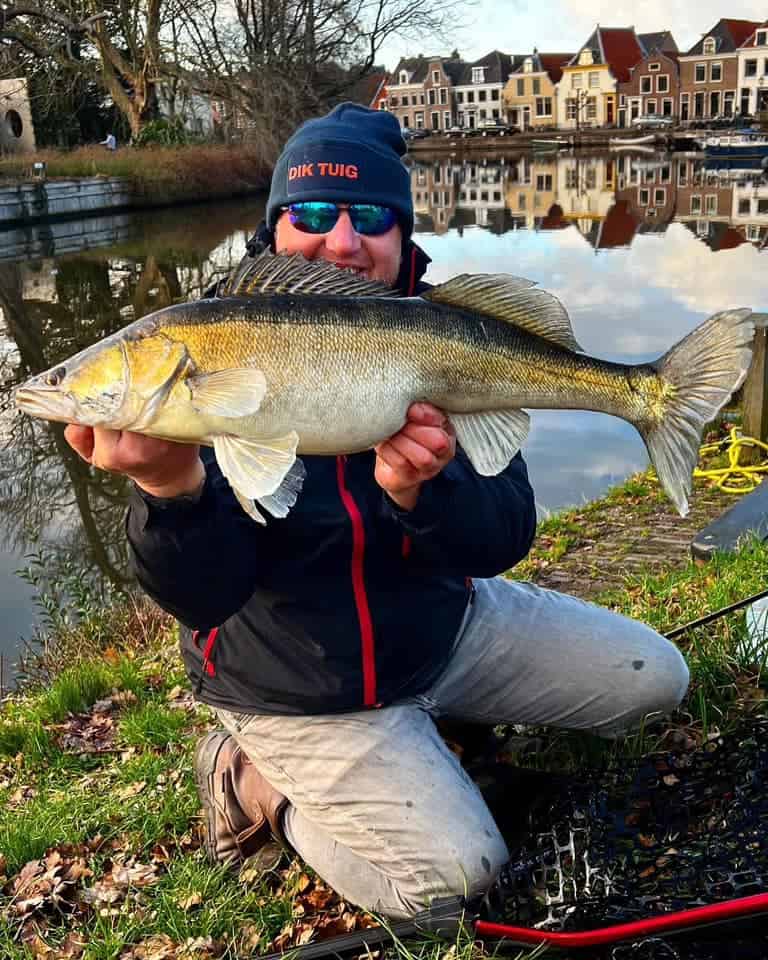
318, 216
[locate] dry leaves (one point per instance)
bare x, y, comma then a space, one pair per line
117, 881
161, 947
48, 885
93, 732
72, 946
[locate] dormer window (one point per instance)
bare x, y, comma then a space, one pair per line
761, 40
654, 67
710, 45
478, 74
403, 77
586, 58
528, 65
435, 76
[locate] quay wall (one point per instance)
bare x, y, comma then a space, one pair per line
34, 200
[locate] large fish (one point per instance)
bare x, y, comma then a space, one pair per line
296, 357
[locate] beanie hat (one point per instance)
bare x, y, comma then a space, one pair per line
351, 155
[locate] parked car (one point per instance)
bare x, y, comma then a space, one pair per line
414, 134
493, 128
650, 121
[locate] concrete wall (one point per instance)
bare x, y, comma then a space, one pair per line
17, 132
37, 200
35, 241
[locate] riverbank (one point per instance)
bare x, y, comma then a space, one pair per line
100, 833
149, 177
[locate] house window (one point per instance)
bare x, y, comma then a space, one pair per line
698, 105
711, 205
575, 80
435, 76
405, 121
761, 40
482, 96
666, 174
646, 84
650, 107
695, 204
729, 101
644, 197
536, 86
745, 207
667, 106
684, 105
405, 101
403, 77
460, 97
586, 58
592, 108
714, 103
762, 205
701, 73
716, 71
481, 114
709, 46
543, 182
662, 83
659, 197
543, 106
745, 99
528, 65
470, 96
594, 79
419, 121
478, 74
421, 99
521, 88
654, 67
435, 118
446, 120
495, 93
443, 95
570, 109
750, 68
432, 96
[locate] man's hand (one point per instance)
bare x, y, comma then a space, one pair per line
416, 454
162, 468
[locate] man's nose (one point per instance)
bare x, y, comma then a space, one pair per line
343, 239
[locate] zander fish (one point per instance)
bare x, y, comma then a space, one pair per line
300, 357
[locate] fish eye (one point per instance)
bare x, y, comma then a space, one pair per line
54, 378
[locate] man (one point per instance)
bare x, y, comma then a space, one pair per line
110, 142
328, 642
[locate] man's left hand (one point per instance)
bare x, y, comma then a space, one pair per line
417, 453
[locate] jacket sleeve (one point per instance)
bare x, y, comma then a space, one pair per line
197, 559
471, 525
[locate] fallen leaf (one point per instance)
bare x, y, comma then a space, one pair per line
193, 900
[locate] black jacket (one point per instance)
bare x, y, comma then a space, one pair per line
348, 602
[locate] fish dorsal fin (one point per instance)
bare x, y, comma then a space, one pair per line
491, 439
511, 299
271, 273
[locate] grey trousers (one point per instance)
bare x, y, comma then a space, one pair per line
382, 809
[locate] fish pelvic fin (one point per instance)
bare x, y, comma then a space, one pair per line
271, 273
700, 373
263, 470
512, 300
491, 439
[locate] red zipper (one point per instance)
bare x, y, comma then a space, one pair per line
208, 666
358, 586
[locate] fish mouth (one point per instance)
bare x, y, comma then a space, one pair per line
46, 402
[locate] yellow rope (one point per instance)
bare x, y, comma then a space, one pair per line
736, 477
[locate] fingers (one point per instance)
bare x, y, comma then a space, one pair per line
80, 439
426, 414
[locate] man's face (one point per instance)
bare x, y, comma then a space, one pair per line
377, 258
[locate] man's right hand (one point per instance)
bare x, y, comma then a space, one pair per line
160, 467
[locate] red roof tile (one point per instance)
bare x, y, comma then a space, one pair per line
741, 30
750, 41
622, 50
619, 227
553, 63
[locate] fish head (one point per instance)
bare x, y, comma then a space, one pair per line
119, 382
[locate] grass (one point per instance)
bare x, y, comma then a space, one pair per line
134, 807
159, 175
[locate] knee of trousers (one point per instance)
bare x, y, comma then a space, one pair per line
458, 867
661, 680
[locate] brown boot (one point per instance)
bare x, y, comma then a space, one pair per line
242, 809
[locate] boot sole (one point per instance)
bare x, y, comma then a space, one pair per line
206, 754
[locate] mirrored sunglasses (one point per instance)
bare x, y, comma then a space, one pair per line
317, 216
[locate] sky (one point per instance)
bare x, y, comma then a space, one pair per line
517, 26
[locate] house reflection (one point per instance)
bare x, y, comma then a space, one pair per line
607, 199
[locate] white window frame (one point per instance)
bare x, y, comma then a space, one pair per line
696, 71
761, 38
659, 192
710, 204
593, 80
644, 192
478, 74
418, 119
435, 76
528, 65
671, 102
746, 67
665, 87
695, 204
709, 46
446, 119
713, 64
654, 67
403, 77
543, 102
646, 85
650, 107
576, 81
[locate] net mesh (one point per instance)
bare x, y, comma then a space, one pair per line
660, 835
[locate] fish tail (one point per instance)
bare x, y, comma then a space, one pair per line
698, 377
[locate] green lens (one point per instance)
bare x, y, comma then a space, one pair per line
371, 218
313, 216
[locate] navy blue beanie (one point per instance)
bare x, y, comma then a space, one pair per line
352, 155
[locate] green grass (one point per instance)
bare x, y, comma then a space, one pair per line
153, 725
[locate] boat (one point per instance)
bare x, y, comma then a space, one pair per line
551, 143
742, 143
632, 141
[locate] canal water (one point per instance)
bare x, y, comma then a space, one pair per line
639, 247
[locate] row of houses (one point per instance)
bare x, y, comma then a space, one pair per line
617, 75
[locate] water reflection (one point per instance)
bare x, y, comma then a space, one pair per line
608, 200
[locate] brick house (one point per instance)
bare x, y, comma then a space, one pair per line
587, 93
653, 87
709, 72
529, 94
441, 77
753, 73
405, 92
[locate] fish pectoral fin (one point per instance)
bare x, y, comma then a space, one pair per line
228, 393
250, 508
510, 299
491, 439
256, 469
280, 502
